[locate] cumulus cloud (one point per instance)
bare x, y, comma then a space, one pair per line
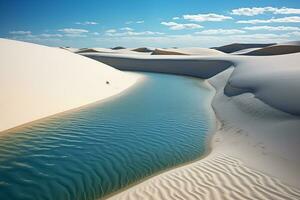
135, 22
126, 29
175, 18
47, 35
177, 26
220, 31
261, 10
132, 33
273, 28
86, 23
211, 17
293, 19
20, 32
73, 32
111, 31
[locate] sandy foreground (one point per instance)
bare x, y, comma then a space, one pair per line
255, 150
38, 81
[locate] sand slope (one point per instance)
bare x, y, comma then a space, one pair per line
38, 81
254, 144
257, 105
261, 73
239, 46
183, 65
218, 177
274, 50
187, 51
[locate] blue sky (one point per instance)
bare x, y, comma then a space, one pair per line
156, 23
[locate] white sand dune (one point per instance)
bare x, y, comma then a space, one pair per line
187, 51
274, 50
71, 49
244, 51
143, 49
182, 65
110, 51
240, 46
266, 69
218, 176
255, 151
38, 81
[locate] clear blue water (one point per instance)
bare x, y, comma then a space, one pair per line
94, 151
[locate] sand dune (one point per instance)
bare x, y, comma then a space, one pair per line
182, 65
218, 176
38, 81
86, 50
143, 50
166, 52
240, 46
274, 50
244, 51
263, 82
187, 51
118, 48
258, 110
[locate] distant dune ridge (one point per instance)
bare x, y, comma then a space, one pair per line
143, 50
240, 46
187, 51
275, 50
38, 81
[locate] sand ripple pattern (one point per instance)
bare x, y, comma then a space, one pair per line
216, 177
91, 152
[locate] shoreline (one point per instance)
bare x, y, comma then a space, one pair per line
213, 156
139, 79
207, 151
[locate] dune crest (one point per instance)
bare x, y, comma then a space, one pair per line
274, 50
187, 51
37, 81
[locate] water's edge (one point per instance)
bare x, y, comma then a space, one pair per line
208, 145
184, 113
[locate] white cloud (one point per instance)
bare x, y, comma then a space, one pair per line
293, 19
273, 28
177, 26
73, 32
137, 22
220, 31
47, 35
261, 10
111, 31
132, 33
175, 18
126, 29
20, 32
211, 17
86, 23
295, 33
